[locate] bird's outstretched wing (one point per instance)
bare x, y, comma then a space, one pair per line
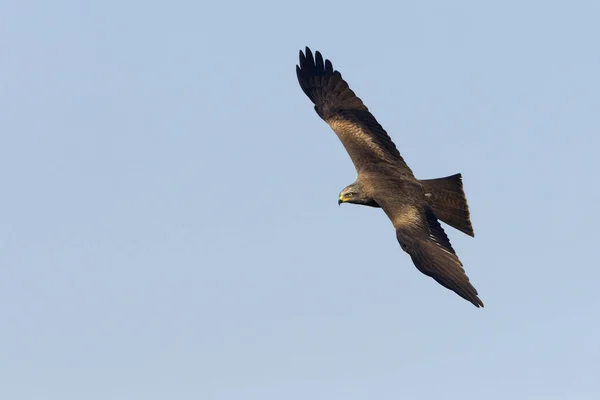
423, 238
363, 137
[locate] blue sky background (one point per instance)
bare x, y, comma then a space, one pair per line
169, 218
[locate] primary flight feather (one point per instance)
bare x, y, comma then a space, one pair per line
385, 180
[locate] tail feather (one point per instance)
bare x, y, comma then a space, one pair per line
448, 201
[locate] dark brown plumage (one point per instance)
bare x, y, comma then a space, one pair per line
385, 180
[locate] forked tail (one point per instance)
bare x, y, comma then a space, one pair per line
448, 201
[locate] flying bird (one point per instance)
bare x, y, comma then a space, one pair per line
385, 181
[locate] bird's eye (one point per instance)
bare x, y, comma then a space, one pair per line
349, 194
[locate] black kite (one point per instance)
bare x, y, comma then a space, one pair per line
384, 180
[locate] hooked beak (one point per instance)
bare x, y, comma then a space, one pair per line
340, 200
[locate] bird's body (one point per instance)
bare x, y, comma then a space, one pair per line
385, 180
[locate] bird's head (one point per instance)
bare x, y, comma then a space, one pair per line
350, 194
353, 194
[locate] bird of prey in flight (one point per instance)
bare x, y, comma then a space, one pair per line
385, 181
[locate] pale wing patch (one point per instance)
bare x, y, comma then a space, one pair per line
348, 131
409, 216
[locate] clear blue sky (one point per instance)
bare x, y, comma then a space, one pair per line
170, 227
